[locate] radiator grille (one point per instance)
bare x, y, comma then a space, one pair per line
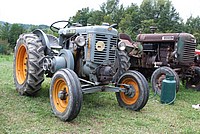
189, 51
112, 50
108, 54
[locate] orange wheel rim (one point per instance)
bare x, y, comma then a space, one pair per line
21, 64
59, 86
127, 99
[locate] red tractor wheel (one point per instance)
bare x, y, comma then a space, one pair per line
65, 95
136, 96
28, 58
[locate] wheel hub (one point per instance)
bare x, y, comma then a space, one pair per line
62, 94
130, 90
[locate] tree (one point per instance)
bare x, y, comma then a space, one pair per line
167, 18
4, 35
81, 16
110, 12
118, 14
96, 17
192, 26
113, 13
109, 6
130, 23
4, 31
162, 14
14, 33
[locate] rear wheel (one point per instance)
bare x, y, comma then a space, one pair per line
124, 62
194, 82
65, 95
27, 67
159, 75
136, 96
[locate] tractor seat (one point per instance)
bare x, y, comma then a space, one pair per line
124, 36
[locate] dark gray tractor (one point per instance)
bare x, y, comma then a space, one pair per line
84, 59
158, 54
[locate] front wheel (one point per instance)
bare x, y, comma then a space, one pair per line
137, 94
65, 95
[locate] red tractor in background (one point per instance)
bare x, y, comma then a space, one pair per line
158, 54
197, 57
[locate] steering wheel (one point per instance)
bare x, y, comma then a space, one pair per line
56, 29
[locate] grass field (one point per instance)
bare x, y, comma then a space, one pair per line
100, 112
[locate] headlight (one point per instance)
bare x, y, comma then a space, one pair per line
122, 45
80, 41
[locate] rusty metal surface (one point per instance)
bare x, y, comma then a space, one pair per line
124, 36
161, 37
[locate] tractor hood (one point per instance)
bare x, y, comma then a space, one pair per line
88, 29
164, 37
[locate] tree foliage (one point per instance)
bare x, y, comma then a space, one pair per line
96, 17
130, 23
81, 16
134, 19
162, 14
14, 33
109, 7
10, 33
4, 31
192, 25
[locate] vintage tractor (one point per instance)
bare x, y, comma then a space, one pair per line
84, 59
156, 55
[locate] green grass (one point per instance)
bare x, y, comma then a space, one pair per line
100, 112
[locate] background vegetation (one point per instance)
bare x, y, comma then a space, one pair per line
132, 20
100, 112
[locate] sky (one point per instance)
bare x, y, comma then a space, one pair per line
48, 11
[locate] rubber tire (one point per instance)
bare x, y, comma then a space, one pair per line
163, 70
34, 73
197, 83
143, 91
75, 94
124, 62
146, 91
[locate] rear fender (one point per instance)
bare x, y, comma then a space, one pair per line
45, 41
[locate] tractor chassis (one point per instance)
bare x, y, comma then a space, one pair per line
91, 87
104, 88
